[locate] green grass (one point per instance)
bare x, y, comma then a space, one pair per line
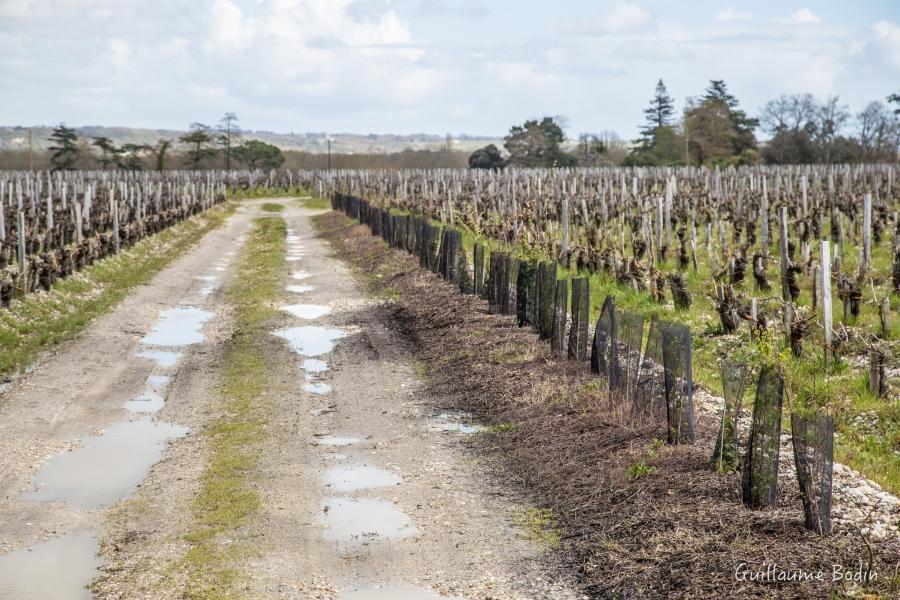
540, 525
273, 207
226, 500
36, 322
314, 203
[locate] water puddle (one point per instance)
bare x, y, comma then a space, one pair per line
314, 365
336, 440
307, 311
300, 275
311, 341
320, 389
146, 402
207, 291
206, 278
160, 357
355, 521
293, 258
393, 593
158, 381
178, 327
220, 269
456, 422
58, 569
299, 289
359, 477
107, 467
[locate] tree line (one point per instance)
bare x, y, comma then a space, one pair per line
712, 130
201, 147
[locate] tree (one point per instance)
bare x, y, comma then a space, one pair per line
659, 113
537, 144
64, 148
743, 125
879, 132
259, 155
229, 134
895, 99
199, 141
654, 147
711, 132
803, 129
159, 151
107, 151
488, 157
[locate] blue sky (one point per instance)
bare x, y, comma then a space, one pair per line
436, 66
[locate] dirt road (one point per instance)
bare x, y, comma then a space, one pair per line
364, 490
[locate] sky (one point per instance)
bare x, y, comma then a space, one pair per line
431, 66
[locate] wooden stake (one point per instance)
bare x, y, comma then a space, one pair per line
826, 298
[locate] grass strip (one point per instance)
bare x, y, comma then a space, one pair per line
226, 499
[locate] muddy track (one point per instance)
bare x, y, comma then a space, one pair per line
365, 490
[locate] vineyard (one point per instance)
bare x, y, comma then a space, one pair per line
54, 224
652, 350
733, 273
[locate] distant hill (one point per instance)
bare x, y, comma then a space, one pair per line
16, 138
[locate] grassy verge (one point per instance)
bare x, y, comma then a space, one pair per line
226, 499
315, 203
273, 207
38, 321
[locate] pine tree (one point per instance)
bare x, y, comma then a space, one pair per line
64, 149
662, 106
659, 114
743, 125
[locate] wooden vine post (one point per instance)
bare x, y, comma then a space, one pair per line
826, 299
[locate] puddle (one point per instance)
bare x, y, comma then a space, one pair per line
220, 269
178, 327
359, 477
457, 422
314, 365
393, 593
106, 468
336, 440
307, 311
354, 521
207, 291
320, 389
292, 258
147, 402
59, 568
299, 289
158, 380
298, 275
311, 341
206, 278
160, 357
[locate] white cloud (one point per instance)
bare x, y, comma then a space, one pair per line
624, 18
730, 14
229, 29
804, 16
885, 43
